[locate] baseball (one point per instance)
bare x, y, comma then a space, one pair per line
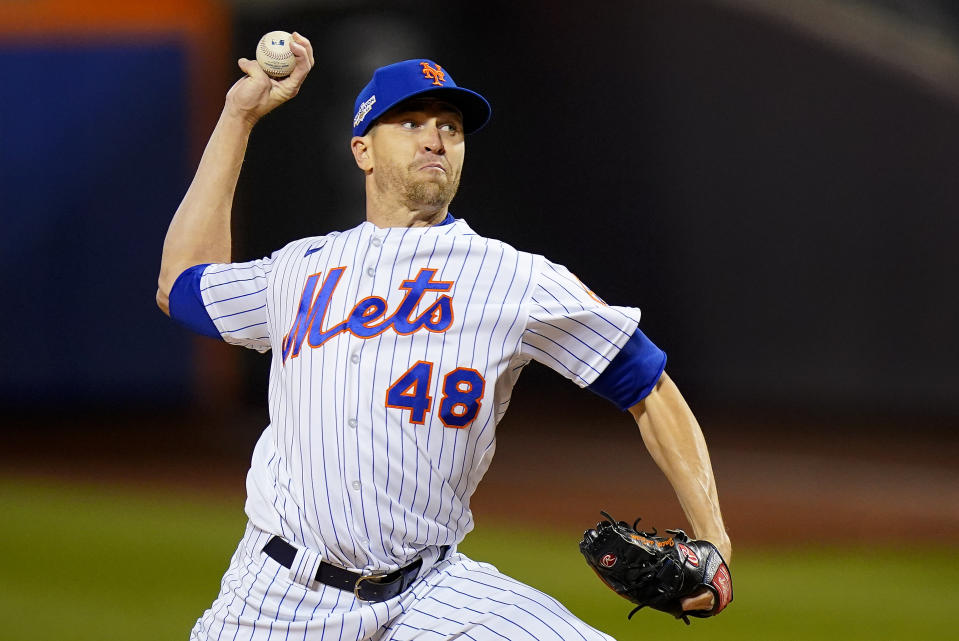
274, 55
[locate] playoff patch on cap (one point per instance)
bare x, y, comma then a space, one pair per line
395, 83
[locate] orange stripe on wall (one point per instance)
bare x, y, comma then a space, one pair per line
33, 17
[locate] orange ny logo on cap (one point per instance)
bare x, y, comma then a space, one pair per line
436, 73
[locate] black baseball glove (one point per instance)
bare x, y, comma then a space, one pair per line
656, 571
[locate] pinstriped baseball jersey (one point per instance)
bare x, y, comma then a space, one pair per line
394, 353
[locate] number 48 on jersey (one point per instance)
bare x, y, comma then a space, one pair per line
462, 398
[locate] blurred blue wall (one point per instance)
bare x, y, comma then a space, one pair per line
93, 161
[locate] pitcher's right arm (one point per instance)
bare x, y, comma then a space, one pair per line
200, 230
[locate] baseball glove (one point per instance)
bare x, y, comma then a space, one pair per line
656, 571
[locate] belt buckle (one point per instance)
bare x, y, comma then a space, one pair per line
359, 584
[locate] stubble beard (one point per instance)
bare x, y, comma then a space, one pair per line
419, 192
428, 194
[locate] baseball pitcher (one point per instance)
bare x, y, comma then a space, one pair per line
395, 346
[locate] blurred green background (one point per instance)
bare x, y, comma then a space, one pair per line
152, 571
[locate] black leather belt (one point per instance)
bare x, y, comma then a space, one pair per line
373, 587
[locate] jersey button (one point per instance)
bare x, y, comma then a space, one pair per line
356, 485
376, 242
355, 358
352, 423
370, 271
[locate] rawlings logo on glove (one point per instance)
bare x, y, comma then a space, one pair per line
656, 571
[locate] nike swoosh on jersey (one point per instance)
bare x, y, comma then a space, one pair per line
313, 250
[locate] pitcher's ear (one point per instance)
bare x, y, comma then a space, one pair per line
360, 147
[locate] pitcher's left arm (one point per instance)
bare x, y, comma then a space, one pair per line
675, 441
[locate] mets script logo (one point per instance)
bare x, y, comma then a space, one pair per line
368, 317
690, 555
608, 560
436, 73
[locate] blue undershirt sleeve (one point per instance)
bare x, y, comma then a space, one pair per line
632, 374
186, 303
